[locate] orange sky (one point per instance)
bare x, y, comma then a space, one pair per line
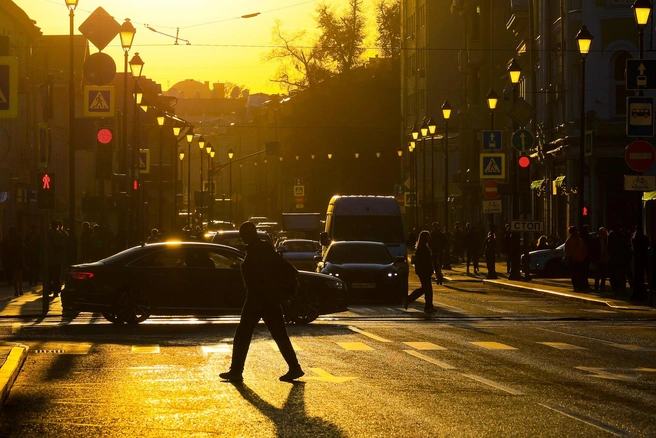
223, 46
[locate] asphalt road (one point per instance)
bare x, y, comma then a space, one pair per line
490, 362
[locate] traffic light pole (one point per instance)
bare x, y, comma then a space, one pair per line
515, 272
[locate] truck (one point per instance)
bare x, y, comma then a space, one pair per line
302, 225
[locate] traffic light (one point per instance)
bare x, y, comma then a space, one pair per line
104, 152
524, 173
135, 185
45, 194
585, 211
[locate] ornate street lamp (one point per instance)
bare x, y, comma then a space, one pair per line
71, 4
446, 113
584, 41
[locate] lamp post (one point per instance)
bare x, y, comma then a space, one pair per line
190, 139
71, 4
492, 100
126, 33
136, 67
160, 122
201, 145
415, 136
641, 12
210, 189
230, 155
432, 127
584, 41
514, 72
446, 113
181, 155
413, 182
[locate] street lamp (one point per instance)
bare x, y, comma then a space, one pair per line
584, 41
641, 13
126, 32
492, 100
210, 190
135, 209
446, 113
71, 4
357, 154
230, 155
190, 139
181, 156
399, 152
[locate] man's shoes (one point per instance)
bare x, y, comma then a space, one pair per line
404, 302
232, 376
292, 374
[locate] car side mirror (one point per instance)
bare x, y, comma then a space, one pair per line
323, 238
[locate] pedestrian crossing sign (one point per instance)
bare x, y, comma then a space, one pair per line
299, 190
492, 166
98, 101
144, 161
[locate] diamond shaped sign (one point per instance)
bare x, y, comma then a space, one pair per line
100, 28
521, 112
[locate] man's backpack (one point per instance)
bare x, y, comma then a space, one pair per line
285, 277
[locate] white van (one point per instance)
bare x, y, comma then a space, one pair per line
371, 218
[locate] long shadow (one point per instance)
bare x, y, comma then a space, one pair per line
292, 419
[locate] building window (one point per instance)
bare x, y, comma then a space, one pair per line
621, 92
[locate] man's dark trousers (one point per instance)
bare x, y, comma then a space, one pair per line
268, 309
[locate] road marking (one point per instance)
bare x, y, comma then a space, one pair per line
216, 348
145, 349
424, 346
274, 346
492, 309
631, 347
493, 384
598, 311
562, 346
428, 359
587, 420
601, 373
494, 345
16, 327
64, 348
547, 311
325, 376
367, 334
354, 346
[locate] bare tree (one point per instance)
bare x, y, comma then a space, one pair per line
301, 66
388, 20
341, 37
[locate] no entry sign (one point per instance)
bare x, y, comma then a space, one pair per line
491, 189
640, 156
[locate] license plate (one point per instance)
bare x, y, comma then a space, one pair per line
364, 285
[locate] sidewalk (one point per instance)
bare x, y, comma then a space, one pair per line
561, 287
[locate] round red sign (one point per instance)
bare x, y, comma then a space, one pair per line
640, 156
491, 189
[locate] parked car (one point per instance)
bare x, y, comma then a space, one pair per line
184, 278
548, 262
300, 253
370, 272
231, 238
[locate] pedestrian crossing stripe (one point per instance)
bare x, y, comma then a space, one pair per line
354, 346
274, 346
561, 346
494, 345
99, 102
424, 346
145, 349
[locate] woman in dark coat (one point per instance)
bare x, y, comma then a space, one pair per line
490, 252
424, 270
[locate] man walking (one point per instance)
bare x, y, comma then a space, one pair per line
257, 270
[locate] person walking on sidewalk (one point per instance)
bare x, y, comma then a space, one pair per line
599, 257
577, 252
424, 270
490, 253
257, 270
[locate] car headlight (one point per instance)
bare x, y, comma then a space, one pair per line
336, 285
392, 274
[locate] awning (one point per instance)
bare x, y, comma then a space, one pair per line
537, 184
649, 196
559, 181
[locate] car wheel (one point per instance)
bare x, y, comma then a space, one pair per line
134, 307
112, 317
303, 309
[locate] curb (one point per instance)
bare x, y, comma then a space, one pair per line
10, 369
599, 301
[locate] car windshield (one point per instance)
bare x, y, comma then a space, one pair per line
387, 229
359, 253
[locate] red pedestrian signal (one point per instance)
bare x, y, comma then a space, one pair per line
45, 192
585, 211
104, 135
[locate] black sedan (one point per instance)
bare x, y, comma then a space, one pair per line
184, 278
369, 270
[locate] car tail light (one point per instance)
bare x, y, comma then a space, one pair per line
82, 275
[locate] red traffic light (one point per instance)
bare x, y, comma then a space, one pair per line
135, 185
524, 162
104, 136
585, 211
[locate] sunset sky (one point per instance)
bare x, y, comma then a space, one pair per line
223, 46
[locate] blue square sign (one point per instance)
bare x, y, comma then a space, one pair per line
639, 116
492, 140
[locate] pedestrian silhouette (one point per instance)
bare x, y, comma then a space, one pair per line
424, 270
261, 303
